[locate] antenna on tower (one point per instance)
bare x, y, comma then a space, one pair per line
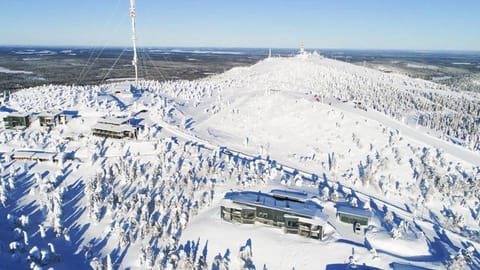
134, 40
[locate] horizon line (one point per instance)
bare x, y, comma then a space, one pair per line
245, 47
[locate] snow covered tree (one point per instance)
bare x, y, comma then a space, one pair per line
354, 202
457, 262
109, 264
246, 256
388, 218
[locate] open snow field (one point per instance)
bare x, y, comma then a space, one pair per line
407, 149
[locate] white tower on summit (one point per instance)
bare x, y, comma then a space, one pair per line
134, 40
302, 49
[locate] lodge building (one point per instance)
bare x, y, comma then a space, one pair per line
114, 127
292, 211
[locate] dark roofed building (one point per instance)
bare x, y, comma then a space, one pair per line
293, 212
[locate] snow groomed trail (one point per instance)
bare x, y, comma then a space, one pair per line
455, 150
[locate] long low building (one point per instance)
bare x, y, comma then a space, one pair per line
295, 214
40, 156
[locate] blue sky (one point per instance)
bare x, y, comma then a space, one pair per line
354, 24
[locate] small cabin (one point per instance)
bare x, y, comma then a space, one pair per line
17, 120
293, 212
49, 119
353, 215
114, 121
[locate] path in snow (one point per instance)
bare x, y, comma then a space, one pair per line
454, 150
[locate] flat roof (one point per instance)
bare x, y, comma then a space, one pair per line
231, 204
307, 208
45, 155
113, 120
23, 154
113, 128
34, 155
49, 113
346, 209
18, 114
296, 195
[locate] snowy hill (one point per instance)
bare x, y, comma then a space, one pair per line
404, 148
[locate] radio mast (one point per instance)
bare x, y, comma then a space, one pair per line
134, 40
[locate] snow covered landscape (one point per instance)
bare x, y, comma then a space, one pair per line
405, 150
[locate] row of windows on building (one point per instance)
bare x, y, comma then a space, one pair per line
295, 215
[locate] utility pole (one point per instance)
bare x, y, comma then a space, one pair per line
134, 40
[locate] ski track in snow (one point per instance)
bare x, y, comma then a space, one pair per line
426, 139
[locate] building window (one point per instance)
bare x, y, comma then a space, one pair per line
248, 214
292, 224
262, 215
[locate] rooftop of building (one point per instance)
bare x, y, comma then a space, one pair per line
354, 211
306, 208
49, 113
113, 120
113, 128
288, 194
30, 154
18, 114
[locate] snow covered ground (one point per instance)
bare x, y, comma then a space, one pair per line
336, 131
9, 71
